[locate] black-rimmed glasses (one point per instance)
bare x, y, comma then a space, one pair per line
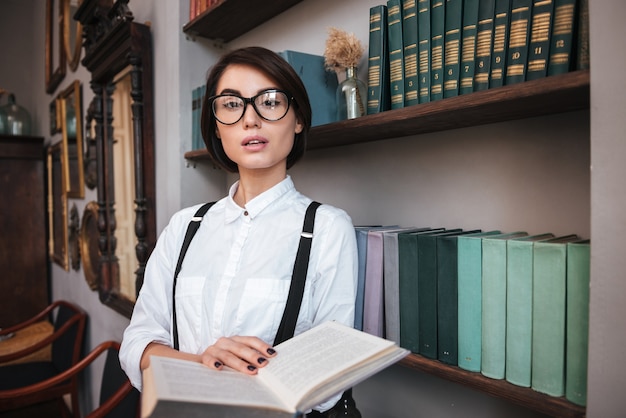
271, 105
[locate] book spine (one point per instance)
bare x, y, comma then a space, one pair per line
452, 47
484, 44
548, 337
407, 272
577, 322
195, 119
409, 39
447, 300
391, 287
373, 293
378, 62
468, 46
437, 29
562, 38
469, 254
423, 49
396, 51
539, 44
427, 295
582, 56
361, 243
500, 40
518, 41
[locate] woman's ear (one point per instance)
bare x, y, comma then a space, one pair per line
299, 126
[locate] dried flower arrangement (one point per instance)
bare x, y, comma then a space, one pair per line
343, 50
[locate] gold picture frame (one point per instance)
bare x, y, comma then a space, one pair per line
57, 207
72, 33
72, 132
88, 243
55, 51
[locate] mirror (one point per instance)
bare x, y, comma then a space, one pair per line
72, 31
118, 53
55, 53
72, 131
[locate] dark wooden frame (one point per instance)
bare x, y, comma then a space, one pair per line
57, 207
112, 42
73, 147
54, 26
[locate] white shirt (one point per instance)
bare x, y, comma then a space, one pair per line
236, 275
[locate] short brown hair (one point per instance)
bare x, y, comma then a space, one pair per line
277, 69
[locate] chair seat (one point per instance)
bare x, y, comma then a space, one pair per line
15, 376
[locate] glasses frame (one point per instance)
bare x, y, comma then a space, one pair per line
250, 101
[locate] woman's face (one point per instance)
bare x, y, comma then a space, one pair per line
254, 143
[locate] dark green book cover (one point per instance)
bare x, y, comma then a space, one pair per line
518, 41
396, 53
484, 44
378, 63
500, 40
437, 28
562, 39
409, 39
582, 44
539, 43
423, 49
452, 48
468, 46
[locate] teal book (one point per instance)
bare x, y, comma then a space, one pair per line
195, 119
493, 339
468, 46
484, 44
519, 308
539, 43
517, 54
500, 39
562, 38
452, 48
549, 315
577, 321
409, 39
423, 49
437, 32
321, 85
469, 277
396, 53
378, 99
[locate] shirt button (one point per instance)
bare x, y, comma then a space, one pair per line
245, 213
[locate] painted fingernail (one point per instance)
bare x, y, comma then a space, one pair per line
217, 364
271, 351
262, 360
251, 368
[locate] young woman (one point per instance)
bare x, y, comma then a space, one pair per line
233, 285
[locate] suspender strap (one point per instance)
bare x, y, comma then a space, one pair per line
296, 289
192, 228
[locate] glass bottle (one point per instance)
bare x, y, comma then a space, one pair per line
351, 96
18, 119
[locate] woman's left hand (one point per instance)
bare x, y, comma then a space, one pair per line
245, 354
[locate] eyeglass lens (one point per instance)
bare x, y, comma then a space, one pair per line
271, 105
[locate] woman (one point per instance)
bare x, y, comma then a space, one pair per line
233, 285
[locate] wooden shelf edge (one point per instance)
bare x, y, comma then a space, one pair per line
527, 397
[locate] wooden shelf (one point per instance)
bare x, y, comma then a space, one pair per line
229, 19
527, 397
557, 94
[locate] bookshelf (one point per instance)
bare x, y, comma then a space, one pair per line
550, 95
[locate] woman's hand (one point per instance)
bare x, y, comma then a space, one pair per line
244, 354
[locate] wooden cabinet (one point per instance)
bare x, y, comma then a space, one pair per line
24, 281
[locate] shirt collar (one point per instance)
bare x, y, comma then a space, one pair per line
259, 203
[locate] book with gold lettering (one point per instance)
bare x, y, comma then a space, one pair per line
562, 38
423, 49
500, 40
437, 29
378, 62
484, 44
396, 53
409, 39
468, 46
452, 47
539, 43
518, 41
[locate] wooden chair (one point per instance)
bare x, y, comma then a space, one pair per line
17, 380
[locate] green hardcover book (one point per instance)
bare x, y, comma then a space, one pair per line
500, 39
437, 29
519, 308
407, 276
577, 322
396, 53
539, 43
423, 49
518, 41
582, 50
378, 99
195, 120
452, 48
409, 39
493, 339
468, 46
484, 44
469, 261
549, 311
562, 37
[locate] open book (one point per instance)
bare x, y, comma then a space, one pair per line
309, 369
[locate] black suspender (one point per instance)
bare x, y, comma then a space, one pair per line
296, 289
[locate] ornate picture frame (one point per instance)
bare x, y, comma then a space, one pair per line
72, 33
70, 102
55, 51
57, 207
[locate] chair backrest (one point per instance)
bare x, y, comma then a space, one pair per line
113, 378
66, 350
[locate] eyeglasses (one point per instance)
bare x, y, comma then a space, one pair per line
271, 105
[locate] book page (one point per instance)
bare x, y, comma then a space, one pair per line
316, 356
193, 382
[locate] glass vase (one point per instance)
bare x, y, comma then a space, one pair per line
351, 96
17, 118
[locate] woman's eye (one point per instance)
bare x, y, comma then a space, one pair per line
231, 104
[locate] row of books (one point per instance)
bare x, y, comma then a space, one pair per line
196, 7
426, 50
197, 95
508, 305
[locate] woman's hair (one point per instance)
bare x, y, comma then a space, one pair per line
279, 71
